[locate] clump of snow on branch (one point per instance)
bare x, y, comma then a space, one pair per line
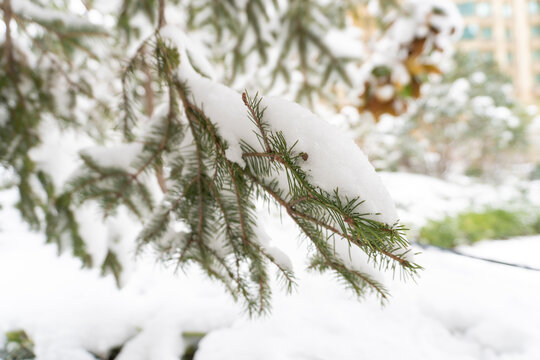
334, 161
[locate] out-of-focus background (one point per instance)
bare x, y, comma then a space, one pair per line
461, 161
476, 125
499, 58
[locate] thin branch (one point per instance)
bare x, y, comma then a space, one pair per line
299, 200
326, 204
338, 266
9, 51
8, 47
161, 14
272, 155
258, 122
162, 182
148, 91
292, 212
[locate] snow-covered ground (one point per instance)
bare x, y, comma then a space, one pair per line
459, 308
420, 197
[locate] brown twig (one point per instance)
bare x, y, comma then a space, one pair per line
160, 176
300, 199
272, 155
148, 91
161, 17
8, 46
9, 51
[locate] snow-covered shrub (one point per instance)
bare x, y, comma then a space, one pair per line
466, 122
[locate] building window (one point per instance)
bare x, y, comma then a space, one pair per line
537, 78
486, 33
533, 7
536, 54
535, 31
507, 10
483, 9
470, 31
466, 8
508, 33
509, 57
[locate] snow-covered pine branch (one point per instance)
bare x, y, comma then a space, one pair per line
186, 157
222, 151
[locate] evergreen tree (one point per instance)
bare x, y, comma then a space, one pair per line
187, 157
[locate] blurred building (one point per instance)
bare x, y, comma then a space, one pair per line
507, 31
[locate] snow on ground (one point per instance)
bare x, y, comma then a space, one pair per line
420, 197
519, 250
459, 308
66, 309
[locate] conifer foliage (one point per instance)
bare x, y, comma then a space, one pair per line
167, 136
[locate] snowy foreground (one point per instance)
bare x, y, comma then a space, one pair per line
459, 308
